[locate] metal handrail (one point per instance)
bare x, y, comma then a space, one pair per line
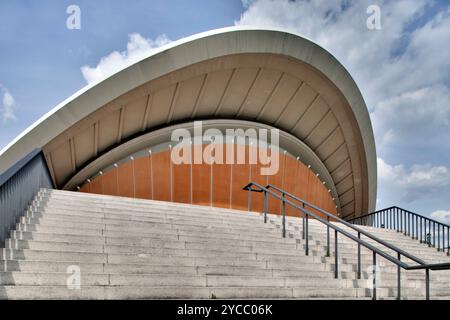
396, 207
419, 227
18, 186
360, 231
376, 251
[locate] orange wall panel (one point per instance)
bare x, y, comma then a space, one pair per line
301, 187
110, 182
181, 182
155, 177
289, 181
126, 180
255, 176
221, 185
143, 178
161, 176
240, 177
201, 183
97, 185
86, 188
276, 180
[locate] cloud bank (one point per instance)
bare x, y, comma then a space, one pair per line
403, 71
441, 215
415, 182
138, 47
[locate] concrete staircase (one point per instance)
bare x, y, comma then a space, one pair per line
122, 248
412, 281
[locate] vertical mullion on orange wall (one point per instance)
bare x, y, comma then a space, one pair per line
221, 184
142, 178
255, 172
289, 182
201, 183
110, 182
181, 182
126, 180
241, 177
161, 175
96, 185
276, 180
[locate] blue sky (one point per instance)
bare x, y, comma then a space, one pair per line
403, 70
40, 58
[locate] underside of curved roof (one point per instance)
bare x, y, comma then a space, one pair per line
264, 76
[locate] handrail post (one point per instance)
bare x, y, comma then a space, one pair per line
399, 288
405, 223
328, 238
448, 241
265, 205
427, 284
417, 227
359, 257
283, 211
374, 275
429, 233
408, 226
397, 219
250, 199
434, 235
392, 221
336, 258
438, 237
421, 232
303, 220
306, 235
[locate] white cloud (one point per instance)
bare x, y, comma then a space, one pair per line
8, 106
402, 71
414, 117
387, 64
138, 47
441, 215
414, 182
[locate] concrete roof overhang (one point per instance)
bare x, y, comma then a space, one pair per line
265, 76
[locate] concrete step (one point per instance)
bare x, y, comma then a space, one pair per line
140, 229
166, 227
134, 238
144, 241
79, 215
140, 258
34, 266
131, 248
162, 247
68, 208
132, 292
166, 224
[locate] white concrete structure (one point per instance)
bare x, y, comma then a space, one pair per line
124, 248
265, 77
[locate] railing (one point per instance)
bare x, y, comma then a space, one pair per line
434, 233
18, 185
306, 214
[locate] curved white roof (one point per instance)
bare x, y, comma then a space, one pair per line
267, 76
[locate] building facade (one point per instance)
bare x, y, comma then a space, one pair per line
115, 136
